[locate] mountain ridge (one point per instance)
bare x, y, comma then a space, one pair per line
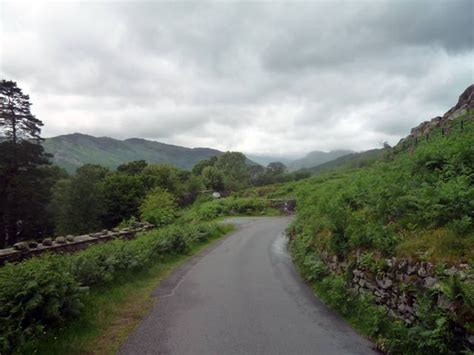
71, 151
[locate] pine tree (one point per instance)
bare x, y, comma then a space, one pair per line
23, 196
16, 120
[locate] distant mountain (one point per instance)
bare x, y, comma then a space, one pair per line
317, 158
74, 150
266, 159
349, 161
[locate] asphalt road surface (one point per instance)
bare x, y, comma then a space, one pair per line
242, 296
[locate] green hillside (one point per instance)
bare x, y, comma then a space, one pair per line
74, 150
349, 161
316, 158
415, 204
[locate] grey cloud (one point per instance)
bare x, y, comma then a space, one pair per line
281, 78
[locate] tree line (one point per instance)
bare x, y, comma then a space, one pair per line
38, 199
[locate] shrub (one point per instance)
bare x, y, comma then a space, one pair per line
210, 210
42, 292
159, 207
36, 294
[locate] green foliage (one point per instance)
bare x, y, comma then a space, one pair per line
132, 168
34, 295
230, 206
123, 195
232, 171
161, 175
159, 207
78, 203
315, 268
40, 294
25, 189
417, 204
95, 198
377, 207
213, 178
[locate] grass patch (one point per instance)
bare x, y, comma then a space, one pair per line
439, 245
111, 312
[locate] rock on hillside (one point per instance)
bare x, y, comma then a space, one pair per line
465, 103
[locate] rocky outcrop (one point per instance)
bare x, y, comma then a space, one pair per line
465, 104
68, 244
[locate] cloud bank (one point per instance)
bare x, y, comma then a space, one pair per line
267, 78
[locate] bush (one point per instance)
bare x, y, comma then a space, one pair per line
230, 206
36, 294
159, 207
40, 293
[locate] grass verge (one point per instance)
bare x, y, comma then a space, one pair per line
111, 312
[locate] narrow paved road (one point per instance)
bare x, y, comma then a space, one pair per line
242, 296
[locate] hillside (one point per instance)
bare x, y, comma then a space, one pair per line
74, 150
316, 158
349, 161
391, 245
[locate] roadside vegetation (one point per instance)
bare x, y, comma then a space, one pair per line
39, 295
39, 200
416, 203
67, 303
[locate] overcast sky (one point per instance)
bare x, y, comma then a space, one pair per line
260, 77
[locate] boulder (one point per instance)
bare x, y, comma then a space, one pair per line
21, 246
70, 238
411, 269
384, 283
60, 240
430, 281
47, 242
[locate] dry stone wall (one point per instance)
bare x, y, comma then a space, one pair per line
68, 244
398, 284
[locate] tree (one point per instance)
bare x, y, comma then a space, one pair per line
159, 207
79, 203
192, 188
16, 120
200, 165
133, 167
23, 196
123, 195
233, 166
162, 175
276, 168
213, 178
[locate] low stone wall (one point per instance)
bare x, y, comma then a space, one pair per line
68, 244
398, 283
391, 285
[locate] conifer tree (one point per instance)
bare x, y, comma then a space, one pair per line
16, 120
23, 193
